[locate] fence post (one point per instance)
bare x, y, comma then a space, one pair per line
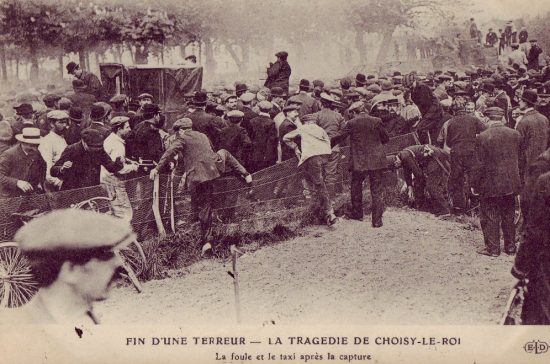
156, 207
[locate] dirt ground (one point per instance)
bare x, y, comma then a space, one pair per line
416, 269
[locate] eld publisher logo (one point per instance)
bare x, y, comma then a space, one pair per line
536, 347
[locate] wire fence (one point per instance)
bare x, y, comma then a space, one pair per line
276, 188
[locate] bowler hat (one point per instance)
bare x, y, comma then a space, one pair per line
74, 230
76, 114
318, 84
93, 139
200, 98
24, 109
530, 97
151, 109
71, 66
360, 79
98, 111
240, 88
304, 84
50, 98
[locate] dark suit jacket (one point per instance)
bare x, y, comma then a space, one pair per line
367, 136
497, 173
263, 135
207, 124
16, 165
235, 140
145, 142
286, 152
86, 168
533, 128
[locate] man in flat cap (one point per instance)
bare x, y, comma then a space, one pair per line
22, 169
263, 135
497, 180
75, 260
53, 145
143, 99
202, 166
93, 84
119, 103
234, 138
278, 73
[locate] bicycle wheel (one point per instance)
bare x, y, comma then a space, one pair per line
133, 260
17, 284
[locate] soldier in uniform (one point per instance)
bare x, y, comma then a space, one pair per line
74, 258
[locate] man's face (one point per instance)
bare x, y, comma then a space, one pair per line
145, 101
60, 126
231, 104
93, 280
516, 114
125, 130
29, 148
77, 72
544, 101
292, 115
470, 107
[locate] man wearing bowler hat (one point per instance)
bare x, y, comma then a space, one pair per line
308, 104
75, 260
534, 129
204, 122
99, 118
25, 118
93, 84
22, 169
80, 164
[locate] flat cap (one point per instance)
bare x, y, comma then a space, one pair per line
183, 123
228, 97
235, 114
356, 105
93, 139
57, 114
145, 96
386, 85
118, 120
73, 230
265, 105
374, 88
335, 91
118, 98
51, 98
327, 97
494, 111
247, 97
291, 107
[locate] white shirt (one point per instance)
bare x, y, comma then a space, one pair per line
51, 147
115, 147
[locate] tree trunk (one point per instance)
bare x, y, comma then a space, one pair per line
235, 57
82, 59
142, 55
60, 64
245, 48
384, 47
17, 67
33, 73
209, 61
161, 54
3, 63
87, 54
360, 46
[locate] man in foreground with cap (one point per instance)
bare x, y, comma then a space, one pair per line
80, 164
74, 257
53, 145
263, 136
497, 180
278, 73
22, 169
202, 166
93, 84
534, 130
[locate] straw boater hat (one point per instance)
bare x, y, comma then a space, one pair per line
29, 136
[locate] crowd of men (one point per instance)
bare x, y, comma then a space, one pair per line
483, 139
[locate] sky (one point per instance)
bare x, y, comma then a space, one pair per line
509, 9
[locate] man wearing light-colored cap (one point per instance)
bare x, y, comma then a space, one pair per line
53, 145
22, 169
74, 257
115, 147
246, 107
234, 138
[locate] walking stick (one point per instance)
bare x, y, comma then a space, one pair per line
172, 219
235, 252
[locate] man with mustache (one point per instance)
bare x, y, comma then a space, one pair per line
74, 258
